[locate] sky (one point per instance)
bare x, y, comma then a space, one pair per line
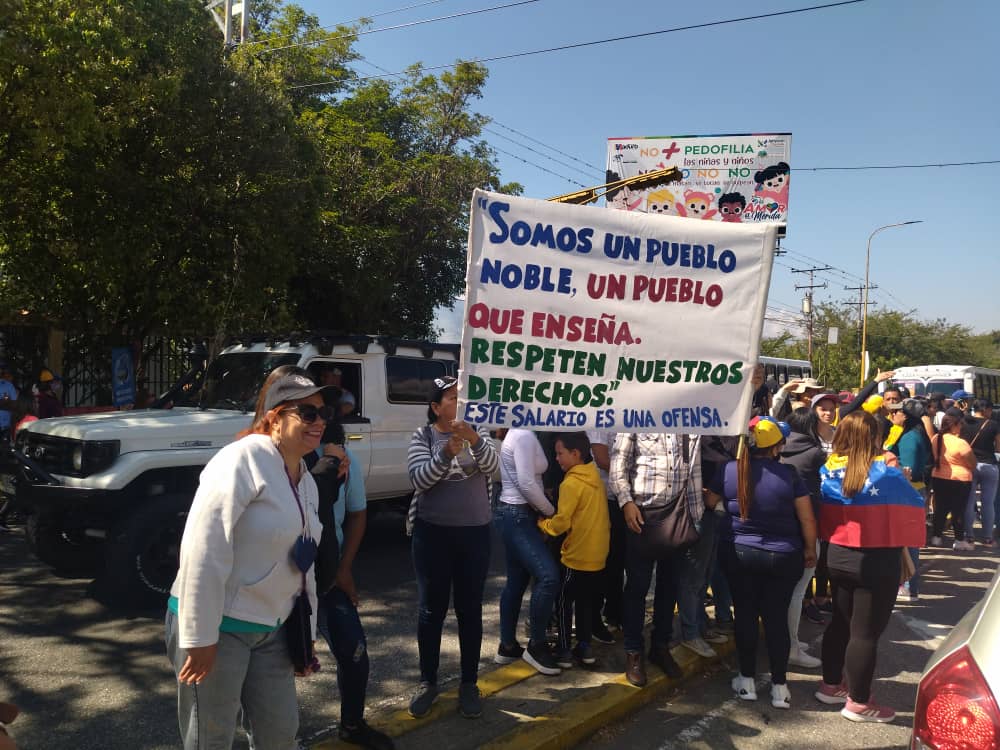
879, 82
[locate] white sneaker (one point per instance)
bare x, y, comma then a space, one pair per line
803, 646
964, 547
936, 541
780, 696
799, 658
701, 648
745, 688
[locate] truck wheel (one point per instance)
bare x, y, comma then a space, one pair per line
144, 552
68, 551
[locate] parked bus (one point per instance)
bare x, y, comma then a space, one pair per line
784, 370
927, 379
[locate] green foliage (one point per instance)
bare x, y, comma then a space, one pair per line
154, 199
150, 180
895, 339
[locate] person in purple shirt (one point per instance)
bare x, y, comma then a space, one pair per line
767, 537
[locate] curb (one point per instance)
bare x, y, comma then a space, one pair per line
575, 720
565, 726
398, 723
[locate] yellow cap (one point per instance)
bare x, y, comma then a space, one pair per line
872, 404
46, 376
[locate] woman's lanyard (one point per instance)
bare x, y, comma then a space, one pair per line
304, 550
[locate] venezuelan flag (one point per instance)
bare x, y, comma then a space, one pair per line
886, 512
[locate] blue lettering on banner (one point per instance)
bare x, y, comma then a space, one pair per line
692, 416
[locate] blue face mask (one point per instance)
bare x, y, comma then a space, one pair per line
303, 552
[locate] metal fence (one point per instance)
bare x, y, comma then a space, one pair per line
160, 362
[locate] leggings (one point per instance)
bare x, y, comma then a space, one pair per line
950, 496
865, 582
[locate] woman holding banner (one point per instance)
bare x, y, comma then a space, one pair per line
768, 535
450, 465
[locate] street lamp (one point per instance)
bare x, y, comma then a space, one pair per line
864, 308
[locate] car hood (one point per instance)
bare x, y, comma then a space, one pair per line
167, 427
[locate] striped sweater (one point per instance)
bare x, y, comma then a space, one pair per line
428, 465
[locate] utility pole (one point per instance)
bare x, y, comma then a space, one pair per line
807, 301
860, 303
223, 12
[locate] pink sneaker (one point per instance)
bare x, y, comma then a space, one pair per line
870, 711
831, 694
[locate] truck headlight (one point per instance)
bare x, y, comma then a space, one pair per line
95, 456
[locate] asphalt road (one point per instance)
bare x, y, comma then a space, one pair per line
92, 678
705, 714
88, 677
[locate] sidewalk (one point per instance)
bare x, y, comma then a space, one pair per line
529, 711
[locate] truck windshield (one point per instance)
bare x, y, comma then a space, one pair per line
234, 380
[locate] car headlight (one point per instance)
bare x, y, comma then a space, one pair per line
95, 456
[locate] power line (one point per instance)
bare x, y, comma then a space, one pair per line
353, 20
895, 166
626, 37
539, 166
397, 26
540, 143
589, 174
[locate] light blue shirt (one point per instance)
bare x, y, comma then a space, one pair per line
7, 390
352, 492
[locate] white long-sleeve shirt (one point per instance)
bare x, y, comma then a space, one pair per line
235, 558
522, 463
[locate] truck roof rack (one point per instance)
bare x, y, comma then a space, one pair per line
324, 341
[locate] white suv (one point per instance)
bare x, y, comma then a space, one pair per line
107, 494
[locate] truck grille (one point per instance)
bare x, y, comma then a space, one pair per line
54, 454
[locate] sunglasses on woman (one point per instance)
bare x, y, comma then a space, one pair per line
446, 382
309, 413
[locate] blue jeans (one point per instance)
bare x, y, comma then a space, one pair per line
450, 561
985, 478
340, 625
638, 576
692, 578
528, 557
252, 671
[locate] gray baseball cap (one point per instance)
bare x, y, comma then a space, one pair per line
293, 388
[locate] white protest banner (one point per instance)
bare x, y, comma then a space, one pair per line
581, 318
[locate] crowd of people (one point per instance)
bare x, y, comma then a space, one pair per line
818, 510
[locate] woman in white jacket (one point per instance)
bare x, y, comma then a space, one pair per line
247, 550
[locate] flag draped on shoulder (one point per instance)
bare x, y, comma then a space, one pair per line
886, 512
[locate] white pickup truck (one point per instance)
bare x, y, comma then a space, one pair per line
107, 494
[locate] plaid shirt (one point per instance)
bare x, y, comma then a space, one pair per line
649, 469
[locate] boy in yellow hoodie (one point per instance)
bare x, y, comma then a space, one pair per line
582, 515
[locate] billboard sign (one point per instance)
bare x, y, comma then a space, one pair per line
740, 179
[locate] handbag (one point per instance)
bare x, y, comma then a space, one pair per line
298, 624
668, 529
298, 633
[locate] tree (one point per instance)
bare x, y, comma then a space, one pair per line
172, 192
894, 339
401, 164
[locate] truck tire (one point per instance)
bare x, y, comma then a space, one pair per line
69, 552
144, 551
